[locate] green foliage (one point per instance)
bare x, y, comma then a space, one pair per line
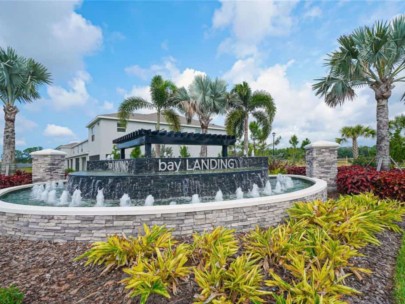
136, 152
11, 295
400, 275
238, 283
115, 153
242, 103
219, 244
119, 251
158, 273
20, 77
162, 92
69, 170
304, 260
184, 152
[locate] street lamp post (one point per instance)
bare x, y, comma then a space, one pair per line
274, 136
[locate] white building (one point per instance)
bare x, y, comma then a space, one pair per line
103, 129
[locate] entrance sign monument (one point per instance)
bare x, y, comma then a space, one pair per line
170, 178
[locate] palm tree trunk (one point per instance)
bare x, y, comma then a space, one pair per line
246, 138
355, 148
204, 130
8, 159
157, 146
383, 142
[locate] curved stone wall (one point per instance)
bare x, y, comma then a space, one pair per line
92, 224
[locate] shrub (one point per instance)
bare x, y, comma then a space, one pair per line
240, 282
296, 170
385, 184
278, 166
19, 178
11, 295
119, 251
219, 243
158, 274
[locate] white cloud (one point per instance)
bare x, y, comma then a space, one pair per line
75, 96
58, 131
137, 71
107, 106
313, 12
51, 32
20, 142
299, 111
250, 22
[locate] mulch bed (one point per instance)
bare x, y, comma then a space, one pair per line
46, 273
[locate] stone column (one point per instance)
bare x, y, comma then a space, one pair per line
48, 165
321, 162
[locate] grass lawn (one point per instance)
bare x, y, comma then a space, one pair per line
400, 275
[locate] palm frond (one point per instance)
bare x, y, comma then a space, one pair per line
264, 121
130, 105
172, 119
234, 122
262, 99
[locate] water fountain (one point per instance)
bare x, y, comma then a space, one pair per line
76, 198
125, 200
51, 199
195, 199
100, 198
219, 197
149, 200
255, 191
63, 200
239, 193
267, 189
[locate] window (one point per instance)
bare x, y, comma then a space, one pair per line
92, 137
121, 127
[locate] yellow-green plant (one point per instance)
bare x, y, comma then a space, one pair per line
220, 243
312, 284
240, 282
272, 245
119, 251
142, 283
158, 274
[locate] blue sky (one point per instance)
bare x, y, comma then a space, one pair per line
100, 52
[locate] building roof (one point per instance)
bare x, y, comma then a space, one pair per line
151, 118
67, 146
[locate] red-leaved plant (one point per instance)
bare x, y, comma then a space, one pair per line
19, 178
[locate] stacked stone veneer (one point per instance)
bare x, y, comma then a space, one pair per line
321, 162
96, 227
48, 165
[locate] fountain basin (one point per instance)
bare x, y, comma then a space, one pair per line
92, 224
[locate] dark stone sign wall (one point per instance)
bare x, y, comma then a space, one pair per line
169, 178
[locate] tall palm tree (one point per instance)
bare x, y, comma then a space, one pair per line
161, 92
20, 78
205, 97
370, 56
242, 103
354, 133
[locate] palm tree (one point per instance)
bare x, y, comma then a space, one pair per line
161, 92
354, 133
370, 56
20, 78
242, 103
205, 97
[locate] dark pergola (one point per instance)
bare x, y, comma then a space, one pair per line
149, 137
